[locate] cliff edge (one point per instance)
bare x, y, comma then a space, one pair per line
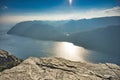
7, 60
54, 68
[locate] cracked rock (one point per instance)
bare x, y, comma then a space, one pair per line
54, 68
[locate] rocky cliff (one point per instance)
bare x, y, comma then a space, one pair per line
60, 69
7, 60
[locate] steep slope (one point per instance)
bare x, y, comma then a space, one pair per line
89, 24
60, 69
106, 39
58, 30
36, 30
7, 60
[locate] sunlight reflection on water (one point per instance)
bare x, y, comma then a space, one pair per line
70, 51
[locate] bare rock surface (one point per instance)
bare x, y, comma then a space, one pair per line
53, 68
7, 60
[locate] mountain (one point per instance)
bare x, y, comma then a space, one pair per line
60, 69
36, 30
73, 26
92, 34
106, 40
8, 60
59, 30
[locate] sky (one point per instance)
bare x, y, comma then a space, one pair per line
22, 10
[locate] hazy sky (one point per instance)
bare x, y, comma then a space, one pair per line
21, 10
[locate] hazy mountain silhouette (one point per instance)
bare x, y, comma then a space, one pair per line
105, 40
89, 33
60, 29
89, 24
36, 30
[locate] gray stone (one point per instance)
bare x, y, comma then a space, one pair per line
53, 68
7, 60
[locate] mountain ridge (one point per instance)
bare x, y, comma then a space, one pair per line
103, 39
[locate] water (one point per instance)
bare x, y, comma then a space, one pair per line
25, 47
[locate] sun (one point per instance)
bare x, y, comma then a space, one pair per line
70, 2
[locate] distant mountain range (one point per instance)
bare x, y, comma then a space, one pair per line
106, 40
89, 24
36, 30
100, 34
69, 26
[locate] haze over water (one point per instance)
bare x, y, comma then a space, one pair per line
26, 47
15, 11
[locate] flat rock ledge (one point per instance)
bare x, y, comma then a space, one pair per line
54, 68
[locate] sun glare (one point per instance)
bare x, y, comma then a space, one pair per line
69, 51
70, 2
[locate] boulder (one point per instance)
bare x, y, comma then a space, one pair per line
7, 60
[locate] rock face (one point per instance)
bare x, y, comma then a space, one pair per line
60, 69
7, 60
